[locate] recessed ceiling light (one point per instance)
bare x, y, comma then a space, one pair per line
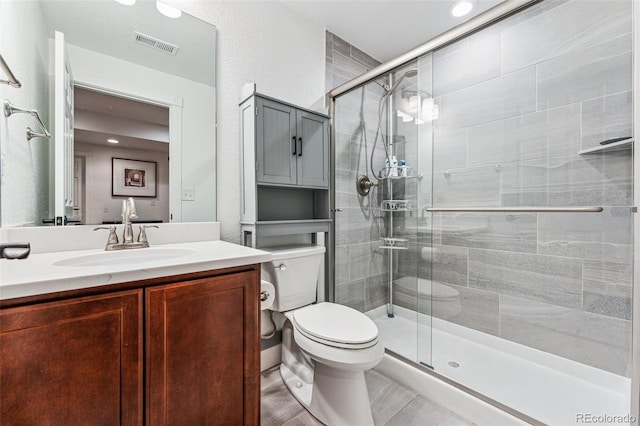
113, 141
168, 11
127, 2
461, 8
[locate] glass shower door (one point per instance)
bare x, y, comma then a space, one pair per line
380, 234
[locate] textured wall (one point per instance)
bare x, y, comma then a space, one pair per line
256, 43
25, 164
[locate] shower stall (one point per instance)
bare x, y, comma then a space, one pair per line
484, 198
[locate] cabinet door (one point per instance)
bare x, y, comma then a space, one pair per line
203, 359
276, 143
73, 362
313, 150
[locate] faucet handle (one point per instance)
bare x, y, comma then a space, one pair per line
113, 237
142, 236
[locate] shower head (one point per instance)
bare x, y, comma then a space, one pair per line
410, 73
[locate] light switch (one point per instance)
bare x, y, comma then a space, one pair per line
188, 194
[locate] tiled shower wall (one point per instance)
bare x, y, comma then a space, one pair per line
361, 267
517, 101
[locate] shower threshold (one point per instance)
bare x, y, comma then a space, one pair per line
549, 388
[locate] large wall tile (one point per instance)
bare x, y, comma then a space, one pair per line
342, 264
595, 340
572, 26
596, 236
449, 264
476, 187
592, 180
351, 294
450, 150
502, 97
376, 291
477, 310
550, 279
527, 137
512, 232
405, 292
344, 68
606, 118
463, 64
358, 225
608, 288
597, 71
365, 260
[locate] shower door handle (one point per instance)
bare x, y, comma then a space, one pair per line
300, 150
295, 147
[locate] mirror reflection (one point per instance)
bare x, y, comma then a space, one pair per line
100, 72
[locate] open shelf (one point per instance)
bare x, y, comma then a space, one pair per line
616, 146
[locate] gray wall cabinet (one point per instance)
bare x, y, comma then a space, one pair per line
292, 145
285, 175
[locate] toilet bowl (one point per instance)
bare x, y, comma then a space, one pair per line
326, 347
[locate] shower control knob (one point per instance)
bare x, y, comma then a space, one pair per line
282, 267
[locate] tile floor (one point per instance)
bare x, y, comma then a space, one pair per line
391, 402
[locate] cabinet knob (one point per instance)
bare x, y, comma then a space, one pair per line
282, 267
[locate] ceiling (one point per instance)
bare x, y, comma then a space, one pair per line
107, 27
101, 116
384, 29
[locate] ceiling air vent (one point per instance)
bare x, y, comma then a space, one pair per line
155, 43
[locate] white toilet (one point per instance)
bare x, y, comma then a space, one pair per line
326, 347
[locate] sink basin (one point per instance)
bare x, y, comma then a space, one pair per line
126, 257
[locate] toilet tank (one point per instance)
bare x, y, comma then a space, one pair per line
294, 273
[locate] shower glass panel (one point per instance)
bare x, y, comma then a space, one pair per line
539, 313
379, 236
460, 263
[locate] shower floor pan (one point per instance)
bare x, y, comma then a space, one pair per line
549, 388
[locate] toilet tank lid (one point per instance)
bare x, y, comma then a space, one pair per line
289, 252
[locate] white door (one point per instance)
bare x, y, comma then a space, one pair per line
63, 136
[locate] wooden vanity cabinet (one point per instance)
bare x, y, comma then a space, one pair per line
80, 360
72, 362
203, 352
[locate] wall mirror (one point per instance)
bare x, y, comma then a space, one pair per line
140, 78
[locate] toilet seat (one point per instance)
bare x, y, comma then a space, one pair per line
335, 325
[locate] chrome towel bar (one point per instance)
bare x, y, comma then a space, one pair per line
593, 209
13, 81
9, 109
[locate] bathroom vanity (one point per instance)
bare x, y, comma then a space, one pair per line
157, 341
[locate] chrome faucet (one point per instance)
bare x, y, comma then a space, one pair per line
128, 212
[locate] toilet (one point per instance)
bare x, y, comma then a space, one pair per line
326, 347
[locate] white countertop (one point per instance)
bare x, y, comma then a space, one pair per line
38, 274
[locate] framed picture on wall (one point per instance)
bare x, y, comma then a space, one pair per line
133, 178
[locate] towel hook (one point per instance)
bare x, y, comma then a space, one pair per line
9, 109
